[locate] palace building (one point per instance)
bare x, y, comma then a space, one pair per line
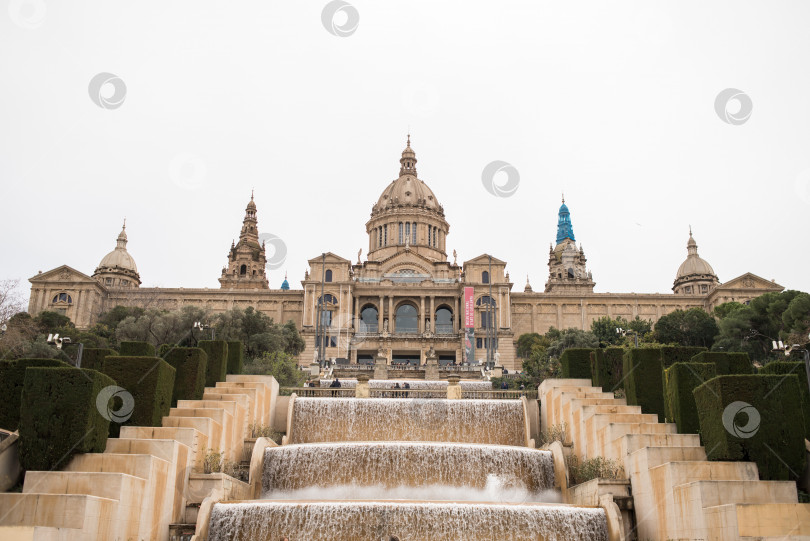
407, 297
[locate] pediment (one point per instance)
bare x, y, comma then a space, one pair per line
750, 281
63, 273
330, 258
483, 259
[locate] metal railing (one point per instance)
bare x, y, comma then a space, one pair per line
349, 392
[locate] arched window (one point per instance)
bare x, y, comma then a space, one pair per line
368, 320
401, 233
485, 277
328, 276
428, 239
406, 320
254, 272
329, 300
484, 300
444, 320
570, 273
62, 297
243, 270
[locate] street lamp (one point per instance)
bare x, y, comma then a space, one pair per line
625, 332
778, 345
54, 340
202, 327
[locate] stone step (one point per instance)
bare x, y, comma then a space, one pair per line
578, 424
758, 521
243, 400
593, 445
237, 411
226, 441
630, 443
237, 393
143, 466
79, 516
601, 444
190, 437
126, 490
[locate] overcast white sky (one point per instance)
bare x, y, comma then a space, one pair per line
611, 102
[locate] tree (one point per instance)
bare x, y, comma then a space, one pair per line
571, 338
51, 322
693, 327
11, 300
280, 365
526, 341
722, 311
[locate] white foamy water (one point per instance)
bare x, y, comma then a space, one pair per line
417, 384
414, 471
496, 422
410, 521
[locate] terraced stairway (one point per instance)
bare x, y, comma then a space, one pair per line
140, 484
677, 492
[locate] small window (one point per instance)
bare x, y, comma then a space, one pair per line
108, 281
243, 270
124, 282
328, 276
63, 297
704, 288
688, 289
485, 277
478, 343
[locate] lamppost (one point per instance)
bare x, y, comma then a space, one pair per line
625, 332
203, 327
778, 345
54, 340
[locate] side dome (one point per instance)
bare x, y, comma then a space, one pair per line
117, 268
695, 275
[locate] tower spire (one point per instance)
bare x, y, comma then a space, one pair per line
408, 160
565, 229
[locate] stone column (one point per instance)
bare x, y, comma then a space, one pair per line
391, 314
362, 388
381, 366
380, 314
432, 315
456, 315
453, 388
422, 314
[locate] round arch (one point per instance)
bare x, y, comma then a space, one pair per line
406, 318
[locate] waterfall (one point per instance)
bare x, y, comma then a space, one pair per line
496, 422
454, 471
410, 521
416, 384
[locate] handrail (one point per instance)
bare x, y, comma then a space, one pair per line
349, 392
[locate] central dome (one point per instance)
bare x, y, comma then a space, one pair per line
694, 264
408, 191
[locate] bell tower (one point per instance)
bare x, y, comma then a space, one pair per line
246, 258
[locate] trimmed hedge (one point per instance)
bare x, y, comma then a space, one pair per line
771, 433
12, 376
59, 416
93, 358
190, 366
150, 381
789, 367
235, 357
643, 380
576, 363
678, 354
726, 362
606, 368
217, 352
680, 380
137, 349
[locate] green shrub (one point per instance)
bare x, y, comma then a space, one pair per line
680, 380
93, 358
217, 354
726, 362
606, 368
59, 416
789, 367
763, 422
190, 366
12, 375
149, 380
235, 357
136, 349
576, 363
593, 468
678, 354
643, 380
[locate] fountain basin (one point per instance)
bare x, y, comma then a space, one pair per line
266, 520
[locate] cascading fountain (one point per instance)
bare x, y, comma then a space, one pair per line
369, 469
406, 470
496, 422
416, 384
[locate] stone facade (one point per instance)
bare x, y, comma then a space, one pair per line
406, 297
